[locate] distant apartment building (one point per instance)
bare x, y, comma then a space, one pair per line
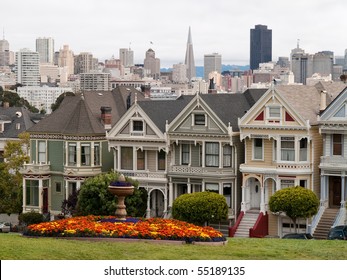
260, 45
27, 68
84, 63
4, 53
179, 73
66, 59
126, 57
95, 81
212, 62
42, 97
152, 64
45, 48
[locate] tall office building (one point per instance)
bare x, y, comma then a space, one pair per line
45, 48
27, 67
152, 64
189, 59
4, 52
66, 59
212, 63
126, 57
261, 46
84, 63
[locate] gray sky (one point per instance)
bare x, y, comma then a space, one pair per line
223, 26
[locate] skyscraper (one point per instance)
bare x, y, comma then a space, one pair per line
212, 62
189, 60
152, 64
28, 67
261, 46
66, 59
126, 57
4, 52
45, 48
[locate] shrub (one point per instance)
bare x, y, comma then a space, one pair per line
200, 207
30, 218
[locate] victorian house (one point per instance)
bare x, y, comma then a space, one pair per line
282, 149
333, 165
70, 145
187, 145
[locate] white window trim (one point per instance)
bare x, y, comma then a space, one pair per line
269, 118
253, 150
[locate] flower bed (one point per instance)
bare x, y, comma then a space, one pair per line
153, 228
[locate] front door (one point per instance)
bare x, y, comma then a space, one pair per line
255, 194
334, 191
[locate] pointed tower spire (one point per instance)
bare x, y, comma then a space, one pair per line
189, 60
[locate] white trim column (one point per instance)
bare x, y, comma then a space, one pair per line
343, 186
243, 198
40, 195
170, 194
24, 194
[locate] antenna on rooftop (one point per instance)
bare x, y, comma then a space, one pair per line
297, 43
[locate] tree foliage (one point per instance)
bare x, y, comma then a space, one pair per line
16, 152
94, 197
13, 99
296, 202
200, 207
60, 99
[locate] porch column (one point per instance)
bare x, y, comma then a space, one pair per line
171, 193
148, 210
243, 198
78, 185
165, 201
322, 189
262, 199
154, 203
40, 195
203, 154
343, 186
189, 186
24, 194
66, 190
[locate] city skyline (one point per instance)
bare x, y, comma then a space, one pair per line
103, 27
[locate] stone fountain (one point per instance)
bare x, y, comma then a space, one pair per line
121, 189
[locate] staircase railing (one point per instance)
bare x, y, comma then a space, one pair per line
261, 226
233, 229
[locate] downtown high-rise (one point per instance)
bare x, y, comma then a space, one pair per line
45, 48
260, 46
189, 59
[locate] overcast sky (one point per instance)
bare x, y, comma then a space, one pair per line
223, 26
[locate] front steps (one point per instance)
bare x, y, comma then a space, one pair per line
325, 223
247, 222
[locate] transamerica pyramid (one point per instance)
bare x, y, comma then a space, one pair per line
189, 61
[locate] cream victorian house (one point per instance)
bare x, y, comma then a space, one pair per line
282, 149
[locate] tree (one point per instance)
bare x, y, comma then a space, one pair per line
16, 153
296, 202
343, 78
94, 197
60, 99
200, 207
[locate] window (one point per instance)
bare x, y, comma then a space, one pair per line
287, 149
140, 160
258, 148
161, 160
227, 194
303, 183
227, 156
85, 154
287, 184
337, 144
199, 119
137, 125
32, 192
58, 187
96, 153
72, 154
303, 149
212, 155
42, 151
185, 154
126, 158
274, 112
211, 187
274, 150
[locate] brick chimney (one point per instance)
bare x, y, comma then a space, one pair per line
106, 117
323, 100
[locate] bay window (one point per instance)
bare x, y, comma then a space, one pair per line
258, 148
287, 148
85, 154
127, 158
185, 155
212, 154
227, 156
72, 154
337, 144
41, 154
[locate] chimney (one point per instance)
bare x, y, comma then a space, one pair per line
106, 117
323, 100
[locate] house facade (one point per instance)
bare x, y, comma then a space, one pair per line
69, 146
333, 163
186, 145
282, 149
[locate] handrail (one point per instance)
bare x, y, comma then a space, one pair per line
233, 229
261, 226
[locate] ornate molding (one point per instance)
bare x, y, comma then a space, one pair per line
68, 137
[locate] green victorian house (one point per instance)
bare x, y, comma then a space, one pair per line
70, 145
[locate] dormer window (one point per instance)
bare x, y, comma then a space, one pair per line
199, 119
274, 114
137, 125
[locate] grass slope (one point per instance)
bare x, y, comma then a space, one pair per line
16, 247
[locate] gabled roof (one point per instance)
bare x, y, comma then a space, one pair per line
72, 117
228, 107
17, 120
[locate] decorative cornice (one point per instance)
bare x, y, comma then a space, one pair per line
67, 137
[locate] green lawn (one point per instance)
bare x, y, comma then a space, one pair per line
16, 247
